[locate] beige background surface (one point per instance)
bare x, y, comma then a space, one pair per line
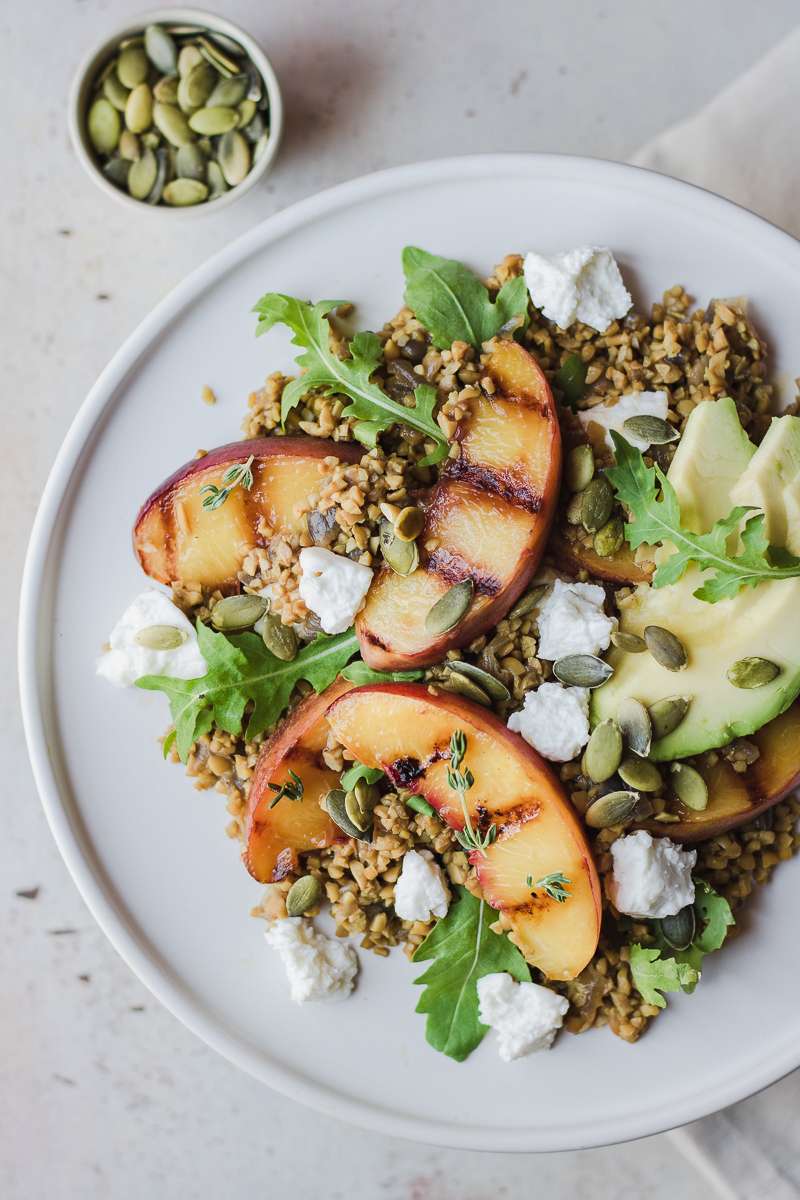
102, 1093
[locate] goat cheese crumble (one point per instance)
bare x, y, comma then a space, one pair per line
317, 967
577, 285
613, 416
554, 720
525, 1016
652, 877
572, 621
333, 587
420, 892
127, 659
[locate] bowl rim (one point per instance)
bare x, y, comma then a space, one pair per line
94, 59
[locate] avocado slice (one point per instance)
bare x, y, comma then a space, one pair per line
715, 458
772, 482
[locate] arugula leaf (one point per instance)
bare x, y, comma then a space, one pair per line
358, 771
656, 517
240, 671
653, 974
453, 304
463, 949
369, 405
359, 673
571, 378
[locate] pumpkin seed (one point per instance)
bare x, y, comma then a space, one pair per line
195, 88
161, 637
752, 672
190, 162
188, 58
321, 523
667, 714
488, 683
402, 557
527, 603
359, 804
142, 175
228, 93
450, 608
409, 524
115, 92
103, 125
579, 468
640, 774
597, 503
139, 109
162, 161
650, 429
172, 123
213, 121
151, 139
636, 728
260, 146
213, 54
255, 129
689, 786
608, 540
117, 171
582, 670
603, 752
678, 930
462, 685
166, 90
255, 90
129, 145
215, 180
304, 893
629, 642
666, 649
335, 806
181, 193
279, 639
236, 612
247, 110
161, 49
233, 156
132, 66
615, 808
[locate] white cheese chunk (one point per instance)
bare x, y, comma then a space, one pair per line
577, 285
554, 720
317, 967
127, 660
572, 621
333, 587
420, 892
613, 416
652, 877
525, 1016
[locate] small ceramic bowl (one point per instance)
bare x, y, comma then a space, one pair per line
94, 62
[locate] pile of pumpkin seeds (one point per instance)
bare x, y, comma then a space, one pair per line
178, 116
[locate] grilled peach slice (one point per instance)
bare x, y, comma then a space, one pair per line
274, 837
734, 799
406, 732
178, 541
486, 519
620, 567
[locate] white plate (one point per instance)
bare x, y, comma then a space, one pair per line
148, 852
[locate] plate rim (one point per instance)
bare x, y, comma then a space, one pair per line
34, 701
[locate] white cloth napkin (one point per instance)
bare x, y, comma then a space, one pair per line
745, 144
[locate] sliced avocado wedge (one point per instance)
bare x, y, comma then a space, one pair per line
772, 482
758, 622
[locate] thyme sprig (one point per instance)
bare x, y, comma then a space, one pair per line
239, 475
554, 885
293, 788
469, 837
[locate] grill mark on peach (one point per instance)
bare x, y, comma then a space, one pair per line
506, 484
452, 568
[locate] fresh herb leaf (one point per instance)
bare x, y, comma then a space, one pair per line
292, 788
242, 671
359, 673
168, 741
420, 805
469, 838
463, 949
358, 771
555, 886
370, 407
571, 378
240, 474
453, 304
653, 974
656, 517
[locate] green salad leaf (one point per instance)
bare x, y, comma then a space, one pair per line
359, 673
656, 517
462, 949
453, 304
571, 378
241, 671
370, 407
661, 968
358, 772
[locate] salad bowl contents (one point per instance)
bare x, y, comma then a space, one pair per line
485, 634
